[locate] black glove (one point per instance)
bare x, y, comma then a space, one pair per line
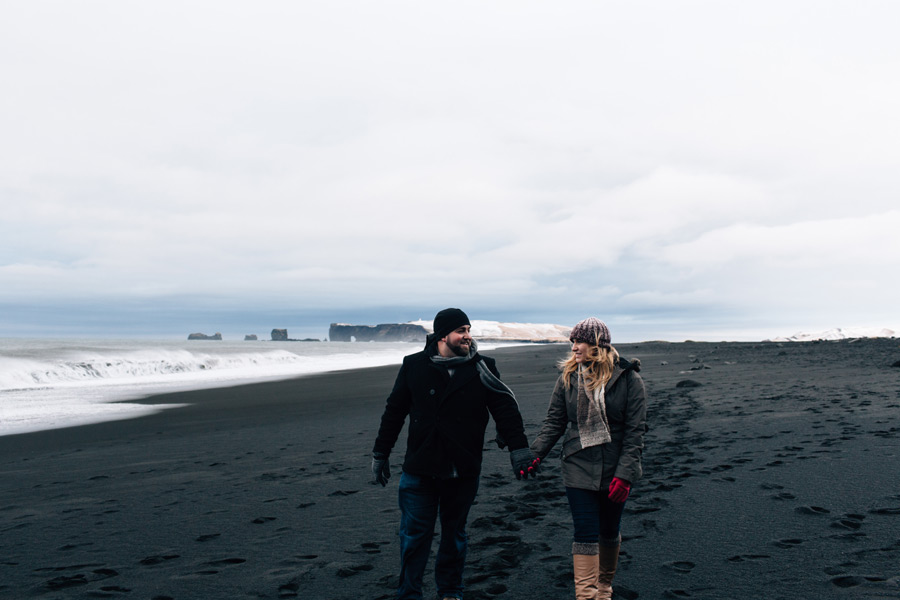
381, 468
524, 463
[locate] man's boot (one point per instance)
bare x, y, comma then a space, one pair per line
587, 569
608, 559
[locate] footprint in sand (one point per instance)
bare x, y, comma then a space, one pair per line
746, 557
494, 480
784, 496
847, 581
680, 566
158, 559
667, 487
650, 525
812, 510
626, 593
493, 523
368, 548
226, 562
849, 521
67, 581
887, 510
261, 520
788, 543
345, 572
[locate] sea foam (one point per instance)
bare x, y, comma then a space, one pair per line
46, 384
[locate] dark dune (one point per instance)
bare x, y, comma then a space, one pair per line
775, 475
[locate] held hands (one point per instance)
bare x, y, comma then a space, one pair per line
619, 490
381, 469
524, 463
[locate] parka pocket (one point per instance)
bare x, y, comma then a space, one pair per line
417, 433
571, 443
611, 454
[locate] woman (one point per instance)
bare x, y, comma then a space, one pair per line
600, 405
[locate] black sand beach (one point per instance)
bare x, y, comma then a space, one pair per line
777, 477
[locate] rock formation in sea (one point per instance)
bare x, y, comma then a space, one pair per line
203, 336
281, 335
385, 332
251, 337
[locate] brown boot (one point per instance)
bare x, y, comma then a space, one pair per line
608, 559
587, 569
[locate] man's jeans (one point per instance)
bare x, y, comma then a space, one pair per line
422, 499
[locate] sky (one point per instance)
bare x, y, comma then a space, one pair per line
700, 170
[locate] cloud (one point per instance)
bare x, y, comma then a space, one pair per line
815, 244
651, 157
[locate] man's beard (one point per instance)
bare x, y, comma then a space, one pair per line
458, 350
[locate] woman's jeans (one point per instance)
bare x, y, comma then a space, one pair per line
596, 518
422, 500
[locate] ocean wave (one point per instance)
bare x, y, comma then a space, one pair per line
20, 373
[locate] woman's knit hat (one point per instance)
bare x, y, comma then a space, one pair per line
591, 331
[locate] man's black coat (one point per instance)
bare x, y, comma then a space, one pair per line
447, 417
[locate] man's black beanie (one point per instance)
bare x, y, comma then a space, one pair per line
449, 320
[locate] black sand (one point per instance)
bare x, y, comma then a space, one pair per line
778, 477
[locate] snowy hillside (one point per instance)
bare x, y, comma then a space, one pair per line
838, 334
493, 330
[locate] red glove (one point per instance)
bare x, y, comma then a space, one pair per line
524, 463
619, 490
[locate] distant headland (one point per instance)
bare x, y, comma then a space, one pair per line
386, 332
417, 331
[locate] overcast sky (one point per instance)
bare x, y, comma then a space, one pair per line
702, 170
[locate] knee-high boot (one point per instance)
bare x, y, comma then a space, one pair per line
608, 560
587, 570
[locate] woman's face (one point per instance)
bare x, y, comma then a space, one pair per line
581, 350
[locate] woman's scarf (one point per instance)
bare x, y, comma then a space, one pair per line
593, 426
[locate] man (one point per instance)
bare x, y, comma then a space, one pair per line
448, 390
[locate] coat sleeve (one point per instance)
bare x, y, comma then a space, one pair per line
505, 411
396, 409
629, 467
555, 422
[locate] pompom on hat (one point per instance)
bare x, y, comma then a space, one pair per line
591, 331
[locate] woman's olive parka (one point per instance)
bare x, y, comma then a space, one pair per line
626, 409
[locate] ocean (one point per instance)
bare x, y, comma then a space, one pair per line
53, 383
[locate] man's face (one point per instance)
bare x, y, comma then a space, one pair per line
459, 341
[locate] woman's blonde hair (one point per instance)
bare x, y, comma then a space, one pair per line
598, 367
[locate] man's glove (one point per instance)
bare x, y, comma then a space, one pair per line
524, 463
619, 490
381, 468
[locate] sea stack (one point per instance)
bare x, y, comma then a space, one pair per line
203, 336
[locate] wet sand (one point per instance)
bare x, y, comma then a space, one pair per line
776, 476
